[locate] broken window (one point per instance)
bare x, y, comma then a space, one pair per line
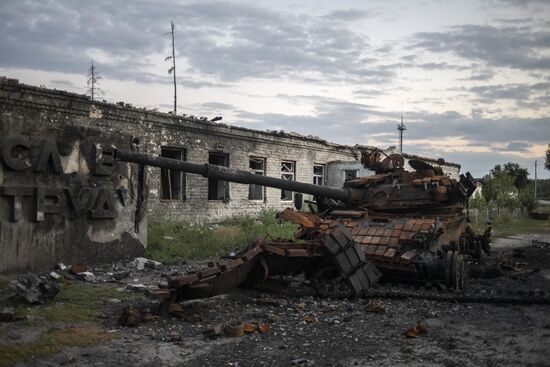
318, 174
350, 174
218, 189
288, 172
172, 183
257, 167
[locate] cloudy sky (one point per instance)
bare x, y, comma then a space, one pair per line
472, 78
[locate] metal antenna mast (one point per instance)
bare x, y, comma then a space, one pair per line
401, 127
536, 198
172, 70
93, 79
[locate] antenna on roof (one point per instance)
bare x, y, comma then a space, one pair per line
172, 70
401, 127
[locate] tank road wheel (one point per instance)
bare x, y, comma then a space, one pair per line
455, 270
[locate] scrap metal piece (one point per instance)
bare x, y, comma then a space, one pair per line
306, 220
350, 260
234, 328
219, 278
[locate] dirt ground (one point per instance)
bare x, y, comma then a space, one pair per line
304, 330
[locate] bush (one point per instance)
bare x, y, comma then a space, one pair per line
171, 241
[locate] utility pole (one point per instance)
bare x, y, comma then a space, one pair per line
401, 127
93, 79
535, 181
172, 70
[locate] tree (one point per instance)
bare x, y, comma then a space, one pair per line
499, 188
547, 163
93, 80
514, 170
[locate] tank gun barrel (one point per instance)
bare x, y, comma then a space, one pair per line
235, 175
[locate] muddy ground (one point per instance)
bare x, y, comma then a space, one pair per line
304, 330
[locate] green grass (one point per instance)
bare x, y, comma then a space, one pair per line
77, 306
507, 226
81, 302
170, 241
51, 343
75, 303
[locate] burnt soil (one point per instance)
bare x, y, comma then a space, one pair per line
304, 330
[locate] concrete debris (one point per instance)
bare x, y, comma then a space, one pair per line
9, 315
37, 290
140, 263
54, 275
214, 332
78, 268
416, 330
540, 244
120, 275
60, 266
301, 362
85, 276
376, 306
174, 336
136, 287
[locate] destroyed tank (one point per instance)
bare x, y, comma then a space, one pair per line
404, 225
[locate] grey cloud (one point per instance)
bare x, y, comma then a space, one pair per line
369, 92
425, 66
524, 3
516, 47
226, 41
62, 83
217, 106
481, 75
194, 84
350, 15
524, 95
352, 123
349, 123
517, 146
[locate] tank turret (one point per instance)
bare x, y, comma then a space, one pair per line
391, 189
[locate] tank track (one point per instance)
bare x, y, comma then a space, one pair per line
469, 296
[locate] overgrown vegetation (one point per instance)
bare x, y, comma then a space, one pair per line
76, 302
505, 187
507, 225
172, 241
52, 342
508, 186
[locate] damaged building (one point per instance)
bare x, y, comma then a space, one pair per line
62, 201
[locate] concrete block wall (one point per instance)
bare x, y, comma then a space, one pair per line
198, 137
61, 201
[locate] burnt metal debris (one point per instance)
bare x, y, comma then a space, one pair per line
405, 225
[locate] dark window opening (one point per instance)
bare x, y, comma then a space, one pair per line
172, 183
257, 167
218, 189
288, 172
350, 175
318, 174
